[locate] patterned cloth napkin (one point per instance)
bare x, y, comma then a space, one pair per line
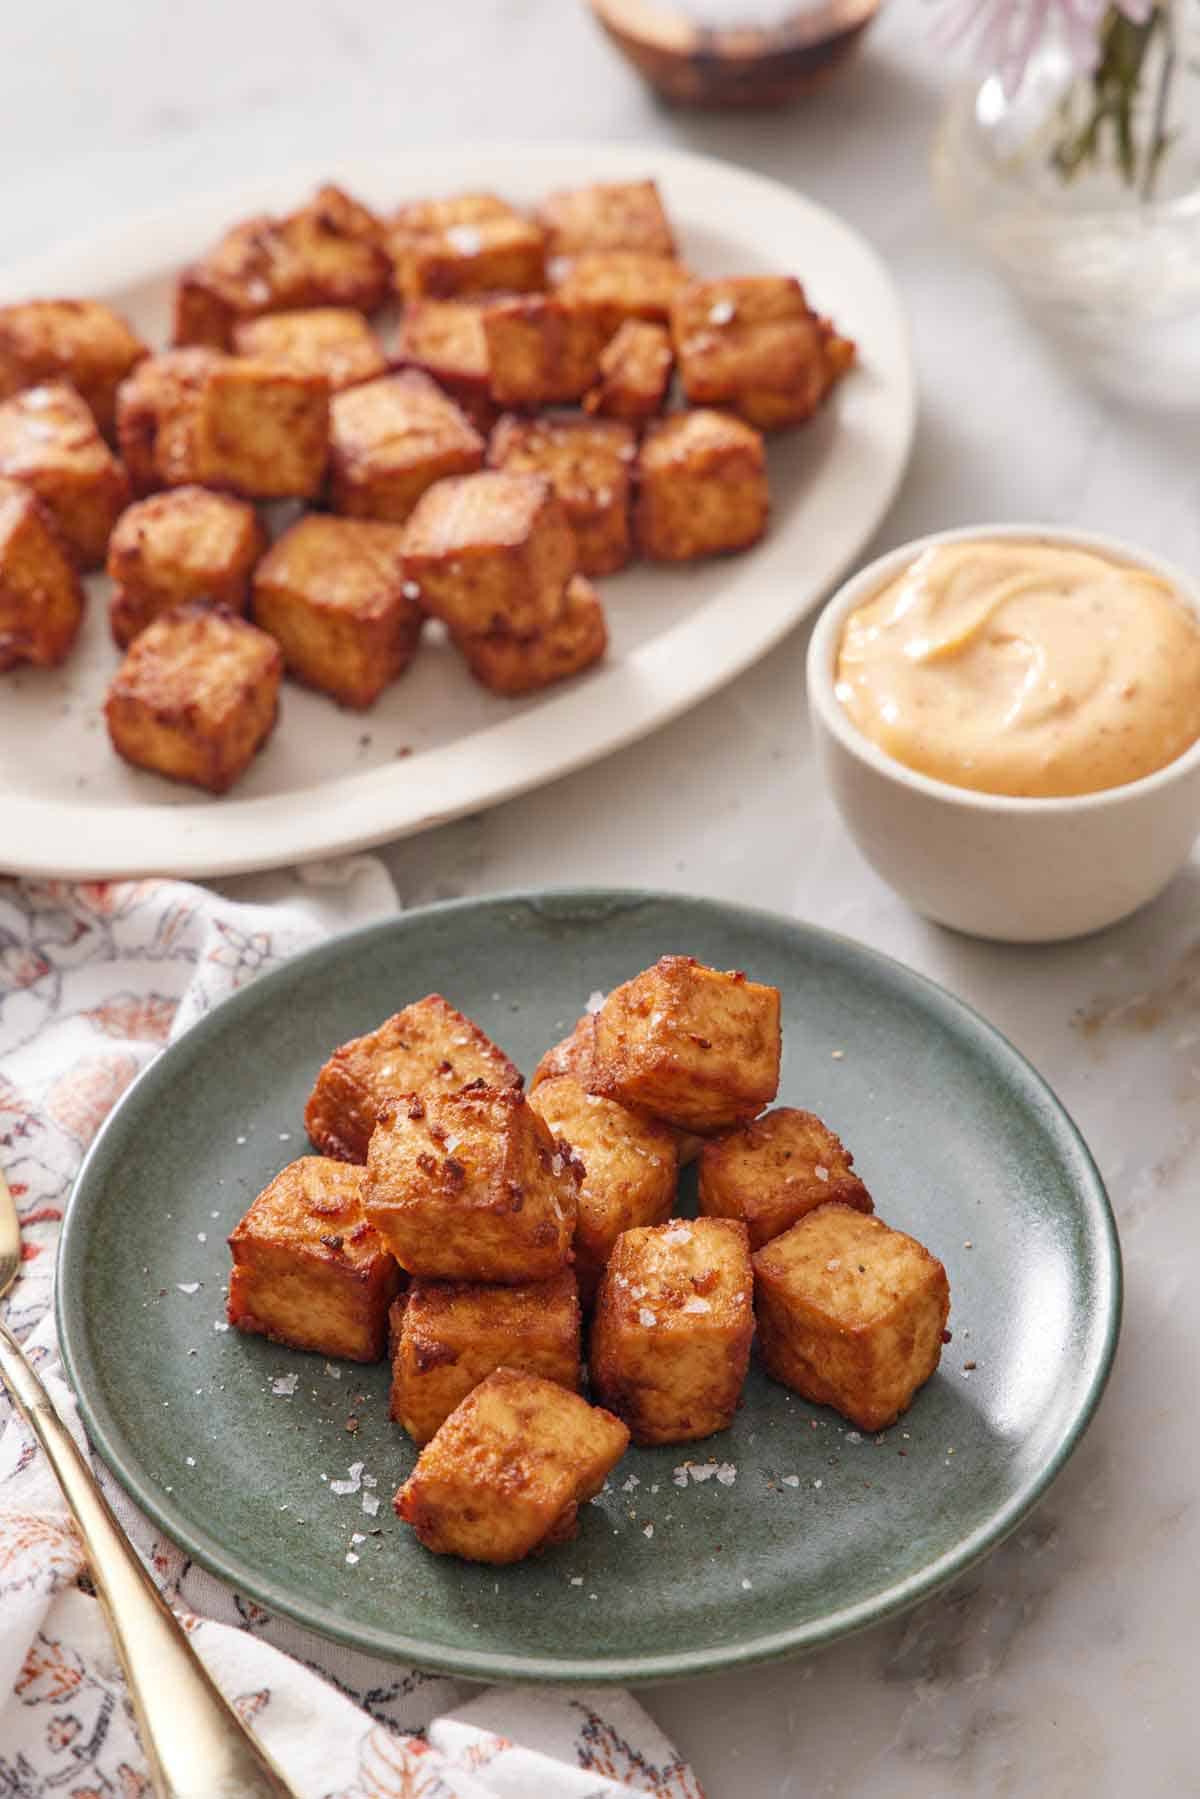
94, 980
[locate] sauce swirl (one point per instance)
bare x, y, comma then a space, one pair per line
1024, 668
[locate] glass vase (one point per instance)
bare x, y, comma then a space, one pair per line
1093, 219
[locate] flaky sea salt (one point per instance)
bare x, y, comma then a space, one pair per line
351, 1558
332, 1372
745, 1586
680, 1476
577, 1580
648, 1530
696, 1304
791, 1480
352, 1483
595, 1000
370, 1504
188, 1287
465, 239
681, 1234
727, 1474
822, 1174
628, 1485
646, 1318
284, 1385
703, 1470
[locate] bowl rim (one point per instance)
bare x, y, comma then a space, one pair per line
854, 592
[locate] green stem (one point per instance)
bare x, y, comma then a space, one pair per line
1162, 100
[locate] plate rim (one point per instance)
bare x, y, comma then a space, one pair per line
618, 704
678, 1664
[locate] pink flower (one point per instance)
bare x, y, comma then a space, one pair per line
1007, 32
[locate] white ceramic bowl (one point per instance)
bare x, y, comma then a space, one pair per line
1020, 870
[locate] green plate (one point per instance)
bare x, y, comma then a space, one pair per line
805, 1529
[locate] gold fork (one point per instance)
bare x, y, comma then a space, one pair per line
198, 1747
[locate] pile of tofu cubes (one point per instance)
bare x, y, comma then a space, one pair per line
473, 405
467, 1230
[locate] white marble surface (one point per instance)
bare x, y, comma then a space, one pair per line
1064, 1665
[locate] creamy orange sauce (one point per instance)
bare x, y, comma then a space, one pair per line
1024, 668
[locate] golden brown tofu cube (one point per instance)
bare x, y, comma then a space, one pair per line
491, 552
230, 422
515, 665
701, 487
428, 1044
447, 1336
468, 244
674, 1320
41, 596
573, 1056
509, 1469
850, 1313
771, 1172
614, 215
542, 350
333, 341
634, 374
308, 1270
630, 1169
690, 1044
49, 442
445, 339
79, 341
157, 401
589, 463
332, 593
631, 284
187, 544
196, 696
390, 440
752, 344
327, 253
471, 1186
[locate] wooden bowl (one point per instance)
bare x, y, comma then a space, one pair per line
743, 66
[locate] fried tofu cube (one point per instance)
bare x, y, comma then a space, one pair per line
850, 1313
327, 253
614, 215
391, 439
196, 696
634, 374
447, 1336
630, 284
230, 422
701, 487
589, 463
332, 593
445, 339
467, 244
509, 1469
49, 442
670, 1341
428, 1044
156, 402
471, 1186
752, 344
573, 1056
332, 341
543, 350
517, 665
308, 1270
689, 1044
491, 552
771, 1172
186, 544
630, 1169
78, 341
41, 596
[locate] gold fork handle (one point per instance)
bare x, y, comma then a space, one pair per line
197, 1746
